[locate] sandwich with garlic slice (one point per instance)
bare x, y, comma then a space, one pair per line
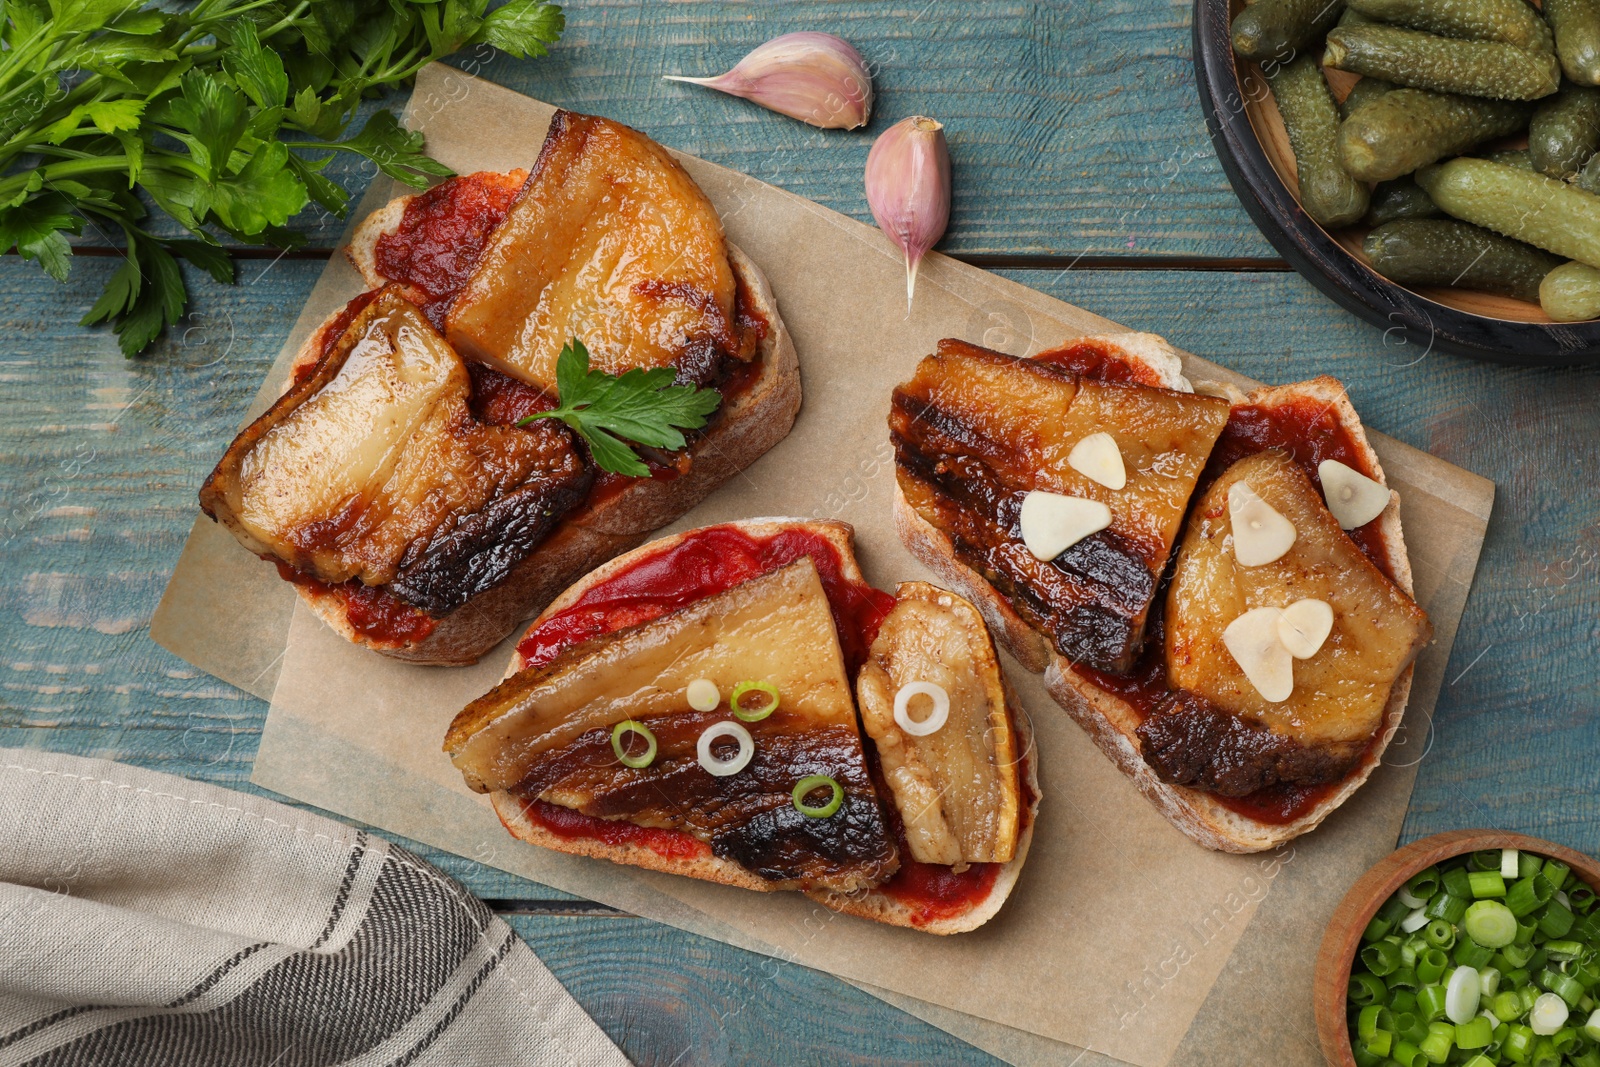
397, 482
735, 703
1214, 585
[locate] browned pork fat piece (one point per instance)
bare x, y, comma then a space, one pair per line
957, 787
1218, 732
975, 431
609, 241
372, 468
545, 733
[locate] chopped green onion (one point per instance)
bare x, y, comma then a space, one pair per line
1408, 1055
1557, 920
1589, 1057
1364, 1058
1519, 1042
1471, 954
1439, 934
1488, 981
1591, 1029
1509, 865
1457, 881
1526, 928
1555, 872
1379, 1042
1564, 950
1562, 986
753, 714
1529, 895
1582, 897
1486, 884
1393, 910
1462, 995
1507, 1006
1402, 1000
1403, 895
1404, 978
1370, 1020
1425, 883
1415, 921
1447, 906
1479, 1061
1491, 924
1528, 864
1476, 1033
1430, 1002
1487, 860
1381, 958
1517, 955
1376, 930
1549, 1014
816, 781
618, 745
1411, 1027
1544, 1055
1431, 965
1436, 1046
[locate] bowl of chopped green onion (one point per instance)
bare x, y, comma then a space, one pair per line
1475, 948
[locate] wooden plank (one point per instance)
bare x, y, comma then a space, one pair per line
671, 998
1075, 129
99, 458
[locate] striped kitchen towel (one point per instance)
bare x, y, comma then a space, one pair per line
151, 920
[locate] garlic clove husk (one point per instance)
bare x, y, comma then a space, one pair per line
908, 189
814, 77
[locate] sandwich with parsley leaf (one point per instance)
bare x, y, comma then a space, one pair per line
546, 367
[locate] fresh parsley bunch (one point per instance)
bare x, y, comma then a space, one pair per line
640, 405
222, 113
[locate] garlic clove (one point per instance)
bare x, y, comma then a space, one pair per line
908, 189
1052, 523
1098, 458
1252, 639
1354, 499
1304, 626
1260, 534
814, 77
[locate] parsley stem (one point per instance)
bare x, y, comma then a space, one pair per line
67, 168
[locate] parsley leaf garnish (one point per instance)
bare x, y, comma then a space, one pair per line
640, 405
222, 114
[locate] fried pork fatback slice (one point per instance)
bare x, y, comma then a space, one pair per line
612, 242
374, 468
1221, 733
545, 733
975, 431
956, 788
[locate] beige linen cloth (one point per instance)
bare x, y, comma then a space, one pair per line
151, 920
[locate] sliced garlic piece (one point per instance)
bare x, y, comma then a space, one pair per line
1354, 499
1260, 534
1253, 641
1052, 523
1098, 459
1304, 626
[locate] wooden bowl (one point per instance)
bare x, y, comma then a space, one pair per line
1254, 151
1355, 911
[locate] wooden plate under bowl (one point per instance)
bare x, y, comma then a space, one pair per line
1254, 151
1361, 903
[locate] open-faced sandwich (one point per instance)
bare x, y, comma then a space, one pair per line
1215, 586
398, 483
735, 703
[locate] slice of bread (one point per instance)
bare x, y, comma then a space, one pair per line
872, 904
746, 426
1110, 721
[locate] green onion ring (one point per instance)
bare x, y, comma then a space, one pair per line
815, 781
753, 714
621, 730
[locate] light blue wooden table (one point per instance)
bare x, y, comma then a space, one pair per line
1082, 169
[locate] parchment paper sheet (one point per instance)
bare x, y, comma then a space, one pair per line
1121, 936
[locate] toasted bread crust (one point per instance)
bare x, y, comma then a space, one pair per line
872, 904
1109, 721
742, 430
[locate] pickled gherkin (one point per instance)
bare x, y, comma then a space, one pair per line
1410, 128
1520, 204
1328, 194
1565, 131
1577, 30
1571, 293
1279, 29
1508, 21
1402, 198
1423, 61
1451, 253
1361, 94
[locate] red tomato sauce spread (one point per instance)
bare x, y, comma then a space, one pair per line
372, 611
1310, 433
441, 234
569, 824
